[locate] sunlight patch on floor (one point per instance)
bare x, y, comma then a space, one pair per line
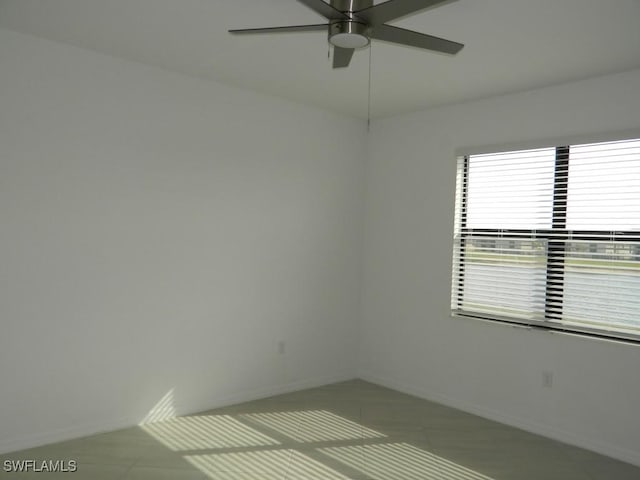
312, 426
400, 461
234, 447
206, 432
269, 462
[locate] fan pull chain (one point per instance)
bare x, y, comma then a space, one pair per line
369, 94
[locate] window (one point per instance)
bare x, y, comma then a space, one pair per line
550, 237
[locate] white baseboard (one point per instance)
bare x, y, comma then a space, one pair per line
262, 392
111, 424
62, 434
613, 451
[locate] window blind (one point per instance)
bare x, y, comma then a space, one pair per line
551, 237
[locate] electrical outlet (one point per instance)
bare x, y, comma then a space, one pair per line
281, 347
547, 379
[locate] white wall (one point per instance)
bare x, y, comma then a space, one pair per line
160, 232
410, 342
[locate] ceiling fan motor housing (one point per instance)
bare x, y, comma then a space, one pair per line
348, 6
349, 33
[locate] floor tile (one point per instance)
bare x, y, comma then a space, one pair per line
271, 462
313, 465
84, 472
152, 473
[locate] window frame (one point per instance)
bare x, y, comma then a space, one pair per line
555, 238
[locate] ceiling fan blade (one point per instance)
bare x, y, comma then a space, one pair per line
387, 33
392, 9
342, 57
326, 10
289, 28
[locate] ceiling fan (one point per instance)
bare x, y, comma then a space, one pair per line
353, 23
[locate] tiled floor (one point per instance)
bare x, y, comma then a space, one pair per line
350, 430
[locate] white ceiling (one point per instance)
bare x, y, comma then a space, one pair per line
511, 45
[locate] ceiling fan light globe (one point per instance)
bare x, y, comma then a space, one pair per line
349, 40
